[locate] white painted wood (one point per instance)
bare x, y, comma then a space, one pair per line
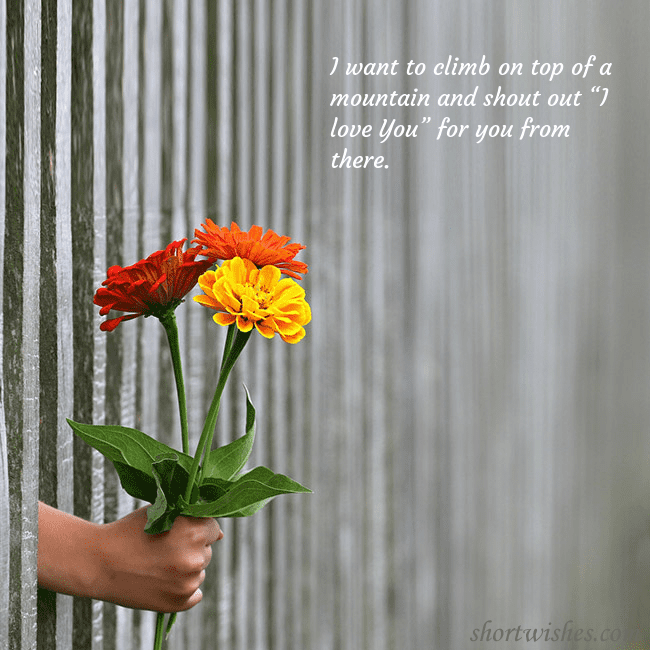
99, 275
125, 629
65, 364
30, 324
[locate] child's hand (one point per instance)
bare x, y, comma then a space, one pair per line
122, 564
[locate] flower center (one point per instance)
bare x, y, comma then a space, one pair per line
261, 297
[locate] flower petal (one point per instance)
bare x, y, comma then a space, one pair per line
220, 243
150, 287
250, 297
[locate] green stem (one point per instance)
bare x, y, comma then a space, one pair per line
171, 328
160, 626
230, 337
170, 621
169, 323
227, 363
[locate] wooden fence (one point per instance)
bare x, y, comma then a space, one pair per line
470, 404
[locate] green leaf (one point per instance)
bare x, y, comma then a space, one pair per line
158, 515
132, 454
213, 488
128, 446
248, 494
135, 482
171, 479
227, 461
170, 475
251, 510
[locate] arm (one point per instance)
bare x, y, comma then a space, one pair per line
122, 564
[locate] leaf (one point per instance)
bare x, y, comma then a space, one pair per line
251, 510
248, 494
158, 515
135, 482
127, 446
171, 479
171, 476
227, 461
132, 453
213, 488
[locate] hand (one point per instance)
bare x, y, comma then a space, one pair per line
122, 564
158, 572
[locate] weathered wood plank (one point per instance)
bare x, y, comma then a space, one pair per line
64, 300
30, 322
5, 529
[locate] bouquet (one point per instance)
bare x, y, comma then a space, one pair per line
246, 292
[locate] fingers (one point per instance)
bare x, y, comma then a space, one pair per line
206, 532
203, 531
212, 531
194, 600
207, 555
186, 592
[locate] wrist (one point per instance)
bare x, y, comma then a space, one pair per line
69, 553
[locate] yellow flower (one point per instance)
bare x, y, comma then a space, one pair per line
241, 293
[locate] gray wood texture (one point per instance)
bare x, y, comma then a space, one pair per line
470, 404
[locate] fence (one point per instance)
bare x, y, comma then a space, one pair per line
470, 402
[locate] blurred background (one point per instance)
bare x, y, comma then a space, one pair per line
470, 403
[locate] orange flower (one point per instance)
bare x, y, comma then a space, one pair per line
151, 287
221, 243
241, 293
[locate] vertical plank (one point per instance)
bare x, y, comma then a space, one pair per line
114, 67
203, 623
181, 101
258, 354
225, 206
398, 565
202, 205
221, 194
224, 71
349, 609
114, 108
151, 110
12, 371
243, 197
276, 442
86, 480
167, 410
195, 203
324, 404
241, 207
48, 344
402, 387
377, 354
64, 333
431, 475
189, 624
4, 521
98, 274
30, 324
128, 215
5, 548
150, 329
295, 461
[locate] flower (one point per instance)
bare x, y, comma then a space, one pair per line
221, 243
151, 287
241, 293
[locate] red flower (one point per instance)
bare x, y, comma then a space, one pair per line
151, 287
221, 243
